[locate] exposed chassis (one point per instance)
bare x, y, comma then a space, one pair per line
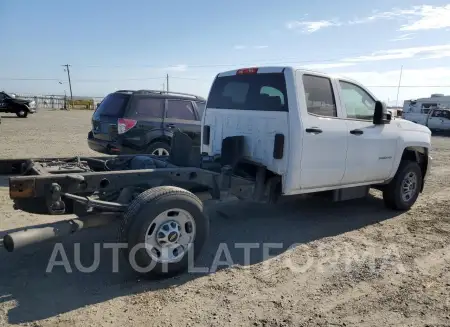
155, 199
64, 179
94, 188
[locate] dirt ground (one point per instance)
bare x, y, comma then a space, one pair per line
342, 264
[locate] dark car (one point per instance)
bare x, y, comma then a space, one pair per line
19, 106
144, 121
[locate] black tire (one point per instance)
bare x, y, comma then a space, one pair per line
140, 216
158, 145
22, 113
392, 193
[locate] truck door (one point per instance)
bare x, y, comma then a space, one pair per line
446, 120
371, 148
439, 120
324, 141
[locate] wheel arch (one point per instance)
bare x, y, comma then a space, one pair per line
18, 106
154, 136
163, 138
419, 154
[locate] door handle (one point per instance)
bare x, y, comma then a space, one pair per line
356, 132
170, 125
313, 130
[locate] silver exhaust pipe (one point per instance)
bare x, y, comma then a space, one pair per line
30, 236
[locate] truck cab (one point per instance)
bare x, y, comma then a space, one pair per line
438, 119
316, 132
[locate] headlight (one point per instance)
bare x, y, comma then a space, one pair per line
32, 104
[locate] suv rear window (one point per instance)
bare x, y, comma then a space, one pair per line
266, 92
145, 107
113, 105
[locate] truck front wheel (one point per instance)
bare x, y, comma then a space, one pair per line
402, 192
165, 229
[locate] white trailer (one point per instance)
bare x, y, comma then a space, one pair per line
417, 110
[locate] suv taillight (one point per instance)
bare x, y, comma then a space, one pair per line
124, 125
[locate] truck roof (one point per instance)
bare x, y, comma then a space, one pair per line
261, 69
280, 69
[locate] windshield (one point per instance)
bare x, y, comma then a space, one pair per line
249, 92
113, 105
11, 95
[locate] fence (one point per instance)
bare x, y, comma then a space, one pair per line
58, 101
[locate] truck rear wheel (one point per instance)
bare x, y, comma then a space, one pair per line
402, 192
165, 228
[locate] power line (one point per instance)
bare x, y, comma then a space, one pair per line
81, 80
279, 61
27, 79
407, 86
118, 79
185, 78
190, 78
165, 78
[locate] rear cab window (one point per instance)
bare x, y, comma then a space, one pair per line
113, 105
255, 91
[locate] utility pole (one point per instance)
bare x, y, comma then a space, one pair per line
399, 82
70, 84
167, 82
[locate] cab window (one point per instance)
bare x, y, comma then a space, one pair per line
441, 114
319, 94
358, 103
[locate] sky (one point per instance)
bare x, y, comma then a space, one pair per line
135, 44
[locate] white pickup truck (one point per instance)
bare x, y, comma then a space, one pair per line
266, 132
437, 119
314, 132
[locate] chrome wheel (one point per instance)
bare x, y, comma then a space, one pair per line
160, 152
170, 235
409, 186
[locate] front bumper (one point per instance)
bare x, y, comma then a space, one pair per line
31, 108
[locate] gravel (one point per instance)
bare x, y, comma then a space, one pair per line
332, 264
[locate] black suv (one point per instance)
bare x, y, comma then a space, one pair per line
13, 104
133, 122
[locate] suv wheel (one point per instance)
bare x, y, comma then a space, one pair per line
159, 149
22, 113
